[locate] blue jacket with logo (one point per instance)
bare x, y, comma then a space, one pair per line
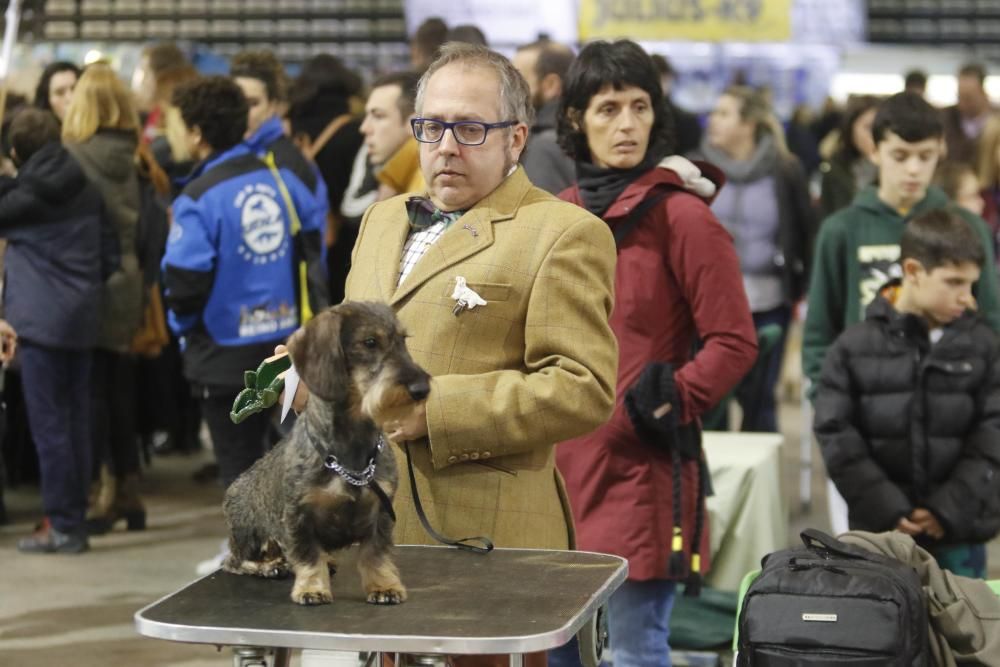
231, 268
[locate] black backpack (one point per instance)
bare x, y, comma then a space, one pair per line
833, 604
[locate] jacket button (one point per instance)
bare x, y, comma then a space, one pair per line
474, 455
452, 459
464, 457
486, 455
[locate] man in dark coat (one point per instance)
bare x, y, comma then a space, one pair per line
52, 219
908, 402
544, 64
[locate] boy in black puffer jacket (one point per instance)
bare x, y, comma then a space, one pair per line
908, 402
58, 252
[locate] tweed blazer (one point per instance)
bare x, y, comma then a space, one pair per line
536, 365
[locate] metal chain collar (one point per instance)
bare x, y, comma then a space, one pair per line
362, 478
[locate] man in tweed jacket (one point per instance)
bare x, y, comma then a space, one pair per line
537, 363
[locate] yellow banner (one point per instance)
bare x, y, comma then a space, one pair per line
694, 20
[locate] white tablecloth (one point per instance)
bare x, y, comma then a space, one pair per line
747, 513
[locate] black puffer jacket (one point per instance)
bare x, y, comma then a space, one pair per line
905, 424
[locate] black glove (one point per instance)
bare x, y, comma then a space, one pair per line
654, 388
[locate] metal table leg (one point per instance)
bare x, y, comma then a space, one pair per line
249, 656
516, 660
282, 657
593, 637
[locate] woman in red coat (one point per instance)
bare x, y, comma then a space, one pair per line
637, 484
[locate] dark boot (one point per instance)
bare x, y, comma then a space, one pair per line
126, 505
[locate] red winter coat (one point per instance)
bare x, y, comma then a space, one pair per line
678, 278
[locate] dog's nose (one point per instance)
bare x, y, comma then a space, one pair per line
419, 390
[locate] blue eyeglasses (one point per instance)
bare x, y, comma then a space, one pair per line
466, 132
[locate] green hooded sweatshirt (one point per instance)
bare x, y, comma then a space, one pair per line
857, 252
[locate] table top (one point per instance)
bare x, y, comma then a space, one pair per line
748, 448
507, 601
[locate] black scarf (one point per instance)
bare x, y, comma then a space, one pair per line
600, 187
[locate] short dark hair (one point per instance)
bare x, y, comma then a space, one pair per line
42, 90
939, 238
407, 82
975, 70
621, 64
164, 56
264, 66
909, 116
915, 78
468, 33
663, 65
430, 36
216, 105
553, 58
322, 92
30, 130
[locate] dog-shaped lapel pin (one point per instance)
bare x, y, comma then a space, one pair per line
465, 297
330, 483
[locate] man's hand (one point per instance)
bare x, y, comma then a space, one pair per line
909, 527
301, 391
928, 523
409, 426
8, 342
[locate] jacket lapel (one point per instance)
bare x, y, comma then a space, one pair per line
470, 234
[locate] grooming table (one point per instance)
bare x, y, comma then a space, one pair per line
511, 601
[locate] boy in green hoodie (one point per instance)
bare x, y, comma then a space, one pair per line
857, 250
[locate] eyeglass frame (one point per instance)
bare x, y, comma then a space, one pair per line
451, 126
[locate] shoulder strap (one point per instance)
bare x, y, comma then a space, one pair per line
295, 226
293, 215
622, 231
327, 134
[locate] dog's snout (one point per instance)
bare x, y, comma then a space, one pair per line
419, 389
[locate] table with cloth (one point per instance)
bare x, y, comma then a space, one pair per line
748, 515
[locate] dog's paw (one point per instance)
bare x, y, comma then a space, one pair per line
387, 596
312, 597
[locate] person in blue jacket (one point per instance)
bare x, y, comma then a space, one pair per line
231, 268
261, 77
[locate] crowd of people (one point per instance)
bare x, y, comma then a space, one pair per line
638, 270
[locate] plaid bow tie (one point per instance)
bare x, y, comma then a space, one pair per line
422, 213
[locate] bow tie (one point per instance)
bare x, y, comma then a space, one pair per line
422, 213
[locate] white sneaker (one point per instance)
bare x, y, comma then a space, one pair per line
209, 566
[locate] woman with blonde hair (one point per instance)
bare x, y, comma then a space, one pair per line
765, 205
101, 130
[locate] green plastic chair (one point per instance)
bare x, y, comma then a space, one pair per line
994, 585
748, 579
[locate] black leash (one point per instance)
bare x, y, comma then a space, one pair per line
465, 542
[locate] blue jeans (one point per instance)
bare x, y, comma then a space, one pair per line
755, 393
638, 625
57, 395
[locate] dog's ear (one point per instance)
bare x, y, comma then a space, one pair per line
318, 356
